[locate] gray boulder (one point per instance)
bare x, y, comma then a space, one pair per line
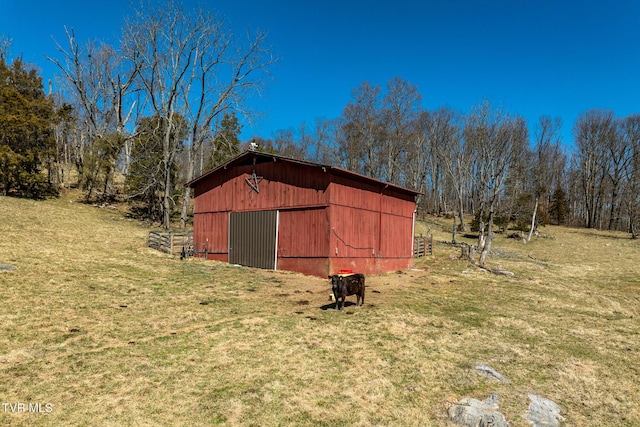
7, 267
543, 412
471, 412
491, 373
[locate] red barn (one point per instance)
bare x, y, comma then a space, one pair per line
268, 211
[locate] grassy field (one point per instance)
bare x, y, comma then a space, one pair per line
96, 329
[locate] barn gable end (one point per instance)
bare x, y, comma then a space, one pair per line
326, 218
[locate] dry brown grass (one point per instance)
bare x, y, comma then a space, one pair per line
109, 332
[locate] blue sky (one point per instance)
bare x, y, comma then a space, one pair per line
533, 58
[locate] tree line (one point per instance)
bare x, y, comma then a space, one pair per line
136, 121
486, 163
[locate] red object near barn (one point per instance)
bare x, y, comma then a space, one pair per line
273, 212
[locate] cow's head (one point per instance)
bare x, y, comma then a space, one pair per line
335, 282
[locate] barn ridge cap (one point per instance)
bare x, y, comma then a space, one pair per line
253, 156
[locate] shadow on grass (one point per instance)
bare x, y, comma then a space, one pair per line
332, 305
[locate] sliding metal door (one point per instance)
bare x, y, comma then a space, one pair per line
252, 238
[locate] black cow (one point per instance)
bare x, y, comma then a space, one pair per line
344, 286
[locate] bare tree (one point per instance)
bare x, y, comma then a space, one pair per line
225, 73
418, 153
161, 45
619, 157
360, 139
100, 81
629, 133
400, 109
455, 155
594, 131
325, 147
547, 150
497, 139
190, 64
287, 145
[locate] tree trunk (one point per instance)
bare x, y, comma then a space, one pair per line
168, 160
453, 230
613, 211
166, 199
533, 219
186, 198
487, 243
127, 156
481, 235
472, 254
105, 189
463, 226
186, 194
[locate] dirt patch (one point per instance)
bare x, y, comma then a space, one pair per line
379, 288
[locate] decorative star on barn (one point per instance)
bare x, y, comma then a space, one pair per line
253, 182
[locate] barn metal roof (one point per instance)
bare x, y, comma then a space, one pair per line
257, 157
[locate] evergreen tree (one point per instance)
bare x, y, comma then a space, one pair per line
26, 136
226, 143
559, 207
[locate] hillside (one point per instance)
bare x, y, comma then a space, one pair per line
97, 329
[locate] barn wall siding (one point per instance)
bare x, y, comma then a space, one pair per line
358, 233
395, 236
303, 233
398, 204
211, 232
344, 193
279, 187
318, 267
216, 193
369, 265
218, 257
354, 232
